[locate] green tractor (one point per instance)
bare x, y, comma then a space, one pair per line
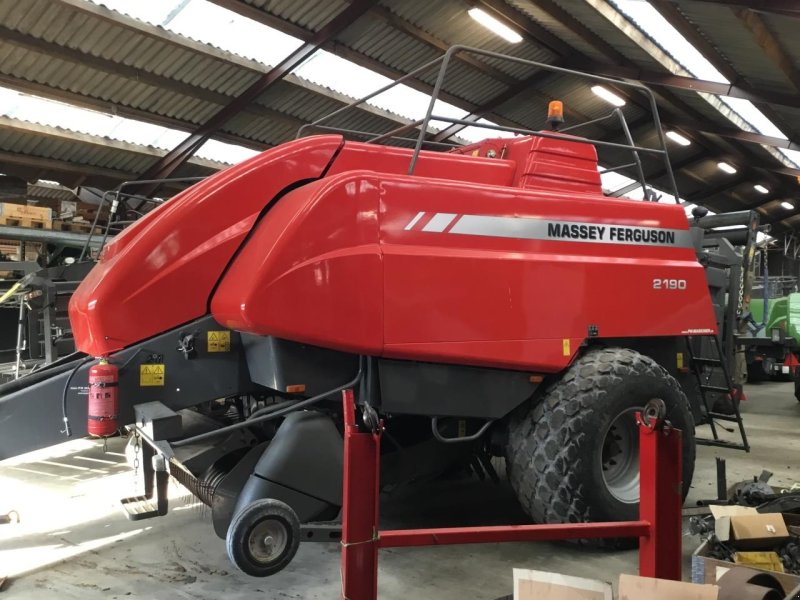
772, 352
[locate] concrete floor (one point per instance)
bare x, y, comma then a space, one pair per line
73, 542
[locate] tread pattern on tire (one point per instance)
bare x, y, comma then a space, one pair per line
545, 443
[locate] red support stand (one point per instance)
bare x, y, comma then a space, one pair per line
659, 525
359, 507
660, 500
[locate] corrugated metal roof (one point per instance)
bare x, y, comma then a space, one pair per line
724, 29
83, 53
608, 32
41, 191
81, 157
446, 21
309, 14
140, 66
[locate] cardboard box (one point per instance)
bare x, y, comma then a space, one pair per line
67, 209
751, 532
706, 569
747, 529
541, 585
632, 587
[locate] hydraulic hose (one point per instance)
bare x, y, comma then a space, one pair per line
67, 431
271, 409
272, 415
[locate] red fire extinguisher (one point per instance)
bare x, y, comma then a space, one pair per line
103, 402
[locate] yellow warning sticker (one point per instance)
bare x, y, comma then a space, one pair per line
565, 347
151, 375
680, 360
219, 341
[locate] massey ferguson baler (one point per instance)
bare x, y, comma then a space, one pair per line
473, 304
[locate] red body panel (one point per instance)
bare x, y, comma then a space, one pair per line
457, 263
544, 163
160, 272
354, 262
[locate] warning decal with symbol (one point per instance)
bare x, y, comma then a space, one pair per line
151, 375
219, 341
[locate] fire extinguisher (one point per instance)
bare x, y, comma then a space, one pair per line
103, 402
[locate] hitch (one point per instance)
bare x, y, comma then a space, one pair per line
6, 518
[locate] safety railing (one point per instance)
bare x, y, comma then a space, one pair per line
424, 125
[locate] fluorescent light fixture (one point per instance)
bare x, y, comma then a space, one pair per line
678, 138
608, 95
760, 189
787, 205
494, 25
726, 167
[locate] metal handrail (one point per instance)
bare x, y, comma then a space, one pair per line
117, 192
444, 61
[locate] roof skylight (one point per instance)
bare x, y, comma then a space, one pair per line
42, 111
691, 60
209, 23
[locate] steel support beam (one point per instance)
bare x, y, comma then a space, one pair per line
769, 44
494, 103
525, 26
676, 18
342, 51
99, 105
730, 182
680, 82
776, 196
655, 176
51, 164
786, 8
183, 151
48, 236
685, 115
686, 112
432, 41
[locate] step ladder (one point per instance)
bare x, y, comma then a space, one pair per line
707, 383
154, 502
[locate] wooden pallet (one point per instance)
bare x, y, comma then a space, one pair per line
28, 222
75, 226
11, 249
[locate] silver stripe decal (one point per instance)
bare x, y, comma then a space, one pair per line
571, 231
414, 221
439, 222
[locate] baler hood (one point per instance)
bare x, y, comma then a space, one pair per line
160, 272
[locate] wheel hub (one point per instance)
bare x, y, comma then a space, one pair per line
267, 540
620, 457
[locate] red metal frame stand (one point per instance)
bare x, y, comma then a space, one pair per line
658, 527
359, 507
660, 500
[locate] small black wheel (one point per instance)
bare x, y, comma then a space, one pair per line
263, 537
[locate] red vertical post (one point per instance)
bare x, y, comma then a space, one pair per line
660, 501
359, 508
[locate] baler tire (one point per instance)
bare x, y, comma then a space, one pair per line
554, 455
245, 534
